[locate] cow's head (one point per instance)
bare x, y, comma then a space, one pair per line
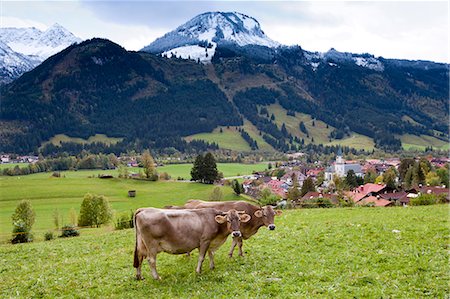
267, 215
233, 219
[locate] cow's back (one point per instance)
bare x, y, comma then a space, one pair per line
175, 231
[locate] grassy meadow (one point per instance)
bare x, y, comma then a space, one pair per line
48, 193
319, 253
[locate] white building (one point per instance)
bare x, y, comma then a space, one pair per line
340, 168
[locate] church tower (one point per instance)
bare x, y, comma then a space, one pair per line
340, 164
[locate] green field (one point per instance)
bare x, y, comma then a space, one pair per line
12, 165
48, 193
319, 132
230, 138
410, 142
319, 253
57, 139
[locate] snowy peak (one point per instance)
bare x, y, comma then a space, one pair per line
37, 43
197, 38
22, 49
333, 57
231, 27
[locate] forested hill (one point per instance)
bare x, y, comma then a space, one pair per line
99, 87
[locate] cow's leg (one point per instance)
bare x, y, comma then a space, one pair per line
211, 259
140, 258
152, 263
239, 241
201, 256
230, 254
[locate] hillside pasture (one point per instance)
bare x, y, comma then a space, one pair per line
319, 253
230, 138
411, 142
102, 138
48, 193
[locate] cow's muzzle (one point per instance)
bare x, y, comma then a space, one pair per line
236, 234
271, 226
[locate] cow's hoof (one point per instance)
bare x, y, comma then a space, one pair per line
230, 255
139, 277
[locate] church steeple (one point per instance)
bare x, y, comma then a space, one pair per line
339, 159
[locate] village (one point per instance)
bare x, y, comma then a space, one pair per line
329, 186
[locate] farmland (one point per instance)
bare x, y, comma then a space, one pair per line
319, 253
48, 193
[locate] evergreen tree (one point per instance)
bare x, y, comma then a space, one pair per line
351, 179
407, 180
403, 167
418, 176
308, 185
209, 170
196, 171
237, 187
284, 131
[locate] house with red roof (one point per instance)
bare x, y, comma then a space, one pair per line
375, 201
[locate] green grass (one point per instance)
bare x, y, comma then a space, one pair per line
12, 165
410, 141
228, 139
231, 139
321, 253
47, 193
319, 131
356, 140
228, 169
57, 139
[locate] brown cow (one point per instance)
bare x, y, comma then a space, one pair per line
181, 231
259, 217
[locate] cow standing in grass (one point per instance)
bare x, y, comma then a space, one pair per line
181, 231
259, 217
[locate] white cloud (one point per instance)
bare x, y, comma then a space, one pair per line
6, 21
409, 30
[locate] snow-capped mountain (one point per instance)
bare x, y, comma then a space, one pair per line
12, 64
332, 57
198, 38
28, 47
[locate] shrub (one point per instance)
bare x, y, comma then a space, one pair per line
48, 236
423, 200
69, 230
268, 198
237, 187
164, 176
216, 194
94, 211
21, 234
23, 219
124, 221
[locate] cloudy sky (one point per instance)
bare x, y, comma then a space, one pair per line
408, 30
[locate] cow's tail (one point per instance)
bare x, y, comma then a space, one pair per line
136, 257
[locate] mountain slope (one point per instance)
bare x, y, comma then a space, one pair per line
31, 46
97, 87
198, 38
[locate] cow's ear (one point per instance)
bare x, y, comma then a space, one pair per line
278, 212
220, 219
245, 217
259, 213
